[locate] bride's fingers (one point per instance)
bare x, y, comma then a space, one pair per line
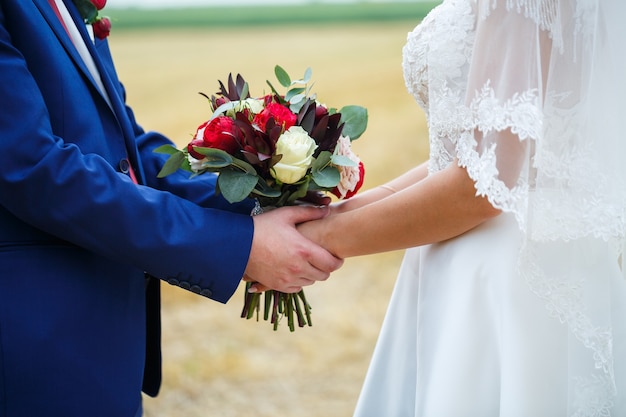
257, 287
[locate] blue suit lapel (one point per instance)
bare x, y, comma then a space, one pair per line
117, 103
64, 37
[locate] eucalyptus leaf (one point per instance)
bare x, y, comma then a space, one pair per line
236, 186
300, 192
296, 106
328, 177
308, 73
172, 164
355, 121
263, 189
166, 149
282, 76
343, 161
293, 92
304, 80
297, 98
215, 158
229, 105
322, 160
244, 166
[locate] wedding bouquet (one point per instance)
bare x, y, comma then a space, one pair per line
275, 149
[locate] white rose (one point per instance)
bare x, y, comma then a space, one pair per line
296, 147
196, 165
254, 104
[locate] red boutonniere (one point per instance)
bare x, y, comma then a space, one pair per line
88, 10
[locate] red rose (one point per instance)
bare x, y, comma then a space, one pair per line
198, 143
219, 133
99, 4
281, 115
102, 27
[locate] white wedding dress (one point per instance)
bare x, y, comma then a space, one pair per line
525, 315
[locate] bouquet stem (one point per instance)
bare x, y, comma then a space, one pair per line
278, 305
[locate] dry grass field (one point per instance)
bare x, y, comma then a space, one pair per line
215, 363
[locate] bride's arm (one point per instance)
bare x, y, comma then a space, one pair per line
439, 207
372, 195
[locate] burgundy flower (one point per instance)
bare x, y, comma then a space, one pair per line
320, 111
102, 27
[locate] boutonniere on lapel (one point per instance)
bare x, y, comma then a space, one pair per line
88, 10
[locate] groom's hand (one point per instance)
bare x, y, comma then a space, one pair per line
281, 258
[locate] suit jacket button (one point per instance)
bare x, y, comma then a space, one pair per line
185, 285
206, 292
172, 281
196, 289
124, 166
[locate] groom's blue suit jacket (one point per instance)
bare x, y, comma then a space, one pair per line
77, 236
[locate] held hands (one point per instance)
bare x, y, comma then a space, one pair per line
281, 258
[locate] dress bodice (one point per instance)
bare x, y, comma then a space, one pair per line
436, 59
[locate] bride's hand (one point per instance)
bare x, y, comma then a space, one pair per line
317, 230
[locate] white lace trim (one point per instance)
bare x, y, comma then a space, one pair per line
594, 394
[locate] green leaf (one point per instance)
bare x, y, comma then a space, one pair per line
87, 10
294, 92
172, 164
297, 99
343, 161
355, 121
244, 91
236, 186
282, 76
276, 94
215, 158
327, 177
308, 73
263, 189
322, 161
244, 166
166, 149
301, 191
296, 104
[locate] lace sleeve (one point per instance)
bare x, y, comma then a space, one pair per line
504, 97
543, 137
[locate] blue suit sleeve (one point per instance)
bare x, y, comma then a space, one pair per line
65, 187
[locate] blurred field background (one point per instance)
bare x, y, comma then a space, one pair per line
215, 363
